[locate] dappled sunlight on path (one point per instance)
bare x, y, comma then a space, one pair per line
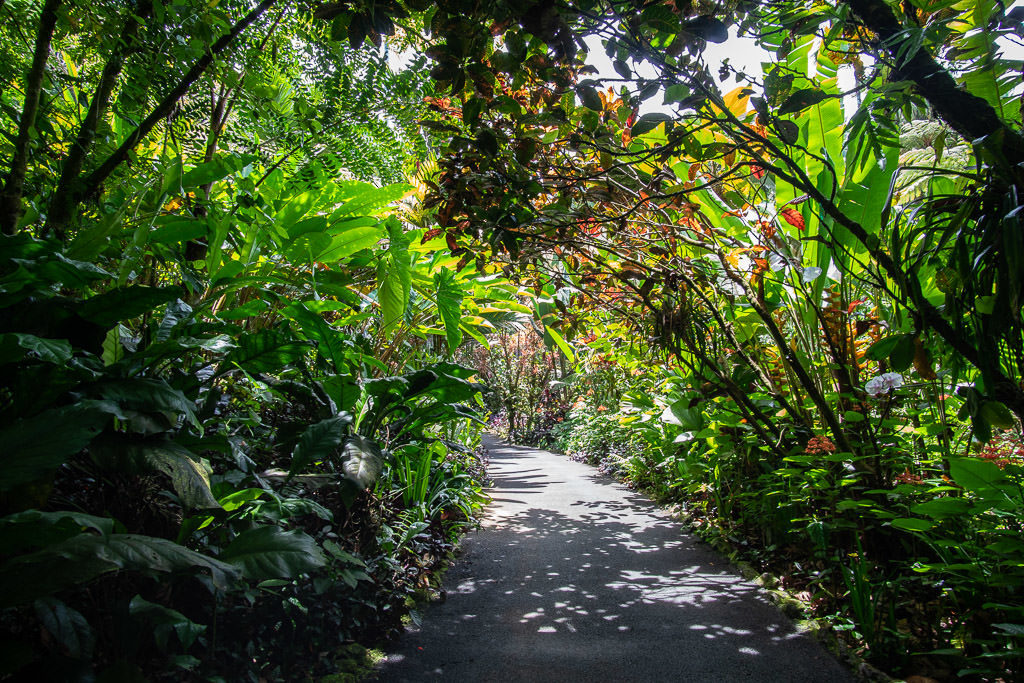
576, 578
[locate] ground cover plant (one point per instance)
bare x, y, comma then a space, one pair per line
242, 249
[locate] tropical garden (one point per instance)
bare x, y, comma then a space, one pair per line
269, 269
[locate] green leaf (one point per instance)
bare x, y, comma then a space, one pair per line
942, 508
449, 306
126, 303
319, 442
982, 477
997, 415
265, 351
648, 122
15, 347
189, 477
394, 279
66, 626
560, 342
307, 247
883, 347
343, 390
690, 419
802, 99
32, 529
177, 312
589, 97
34, 447
211, 171
912, 524
163, 621
788, 132
350, 241
144, 399
179, 231
363, 460
331, 342
902, 355
267, 552
709, 28
676, 93
85, 557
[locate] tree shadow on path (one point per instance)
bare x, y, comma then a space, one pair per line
575, 578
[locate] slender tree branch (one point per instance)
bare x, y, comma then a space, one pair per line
60, 209
10, 199
91, 183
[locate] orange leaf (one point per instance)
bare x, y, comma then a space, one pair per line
793, 217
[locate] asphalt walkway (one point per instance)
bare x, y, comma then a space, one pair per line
574, 577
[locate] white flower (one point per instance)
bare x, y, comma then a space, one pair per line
883, 384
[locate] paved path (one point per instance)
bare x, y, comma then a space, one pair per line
576, 578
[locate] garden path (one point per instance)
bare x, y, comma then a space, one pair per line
574, 577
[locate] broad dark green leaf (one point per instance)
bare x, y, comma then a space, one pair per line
36, 446
267, 552
66, 626
189, 477
648, 122
126, 303
802, 99
32, 529
85, 557
319, 442
589, 97
265, 351
15, 347
163, 621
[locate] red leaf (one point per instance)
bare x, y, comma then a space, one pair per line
757, 170
431, 234
793, 217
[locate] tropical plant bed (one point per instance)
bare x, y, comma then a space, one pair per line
142, 625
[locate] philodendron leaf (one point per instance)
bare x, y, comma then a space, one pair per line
85, 557
264, 351
449, 306
32, 529
363, 460
319, 441
112, 307
36, 446
15, 347
267, 552
163, 621
189, 477
66, 626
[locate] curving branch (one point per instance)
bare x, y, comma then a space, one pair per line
969, 115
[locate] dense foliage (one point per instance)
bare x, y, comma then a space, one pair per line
234, 439
240, 252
